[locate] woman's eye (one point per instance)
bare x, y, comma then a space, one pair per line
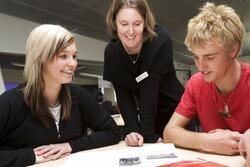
63, 56
137, 24
124, 24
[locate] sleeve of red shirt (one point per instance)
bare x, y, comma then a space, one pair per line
187, 106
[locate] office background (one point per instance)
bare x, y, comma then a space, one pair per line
86, 19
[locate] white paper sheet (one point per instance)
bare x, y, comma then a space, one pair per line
110, 158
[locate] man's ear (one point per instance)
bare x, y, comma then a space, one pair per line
234, 51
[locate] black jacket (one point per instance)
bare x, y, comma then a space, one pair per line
157, 95
20, 132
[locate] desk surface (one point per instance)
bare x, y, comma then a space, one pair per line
234, 161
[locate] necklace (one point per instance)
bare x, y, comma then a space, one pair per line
56, 105
137, 57
56, 111
225, 112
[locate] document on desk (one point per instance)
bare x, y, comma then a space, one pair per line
146, 156
194, 163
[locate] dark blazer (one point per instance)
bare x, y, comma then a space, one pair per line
154, 98
21, 132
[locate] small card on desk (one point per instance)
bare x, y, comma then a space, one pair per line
129, 161
159, 156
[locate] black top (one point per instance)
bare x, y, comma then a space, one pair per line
157, 95
20, 132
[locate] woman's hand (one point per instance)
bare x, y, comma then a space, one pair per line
134, 139
52, 152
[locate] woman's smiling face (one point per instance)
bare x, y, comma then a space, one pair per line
130, 26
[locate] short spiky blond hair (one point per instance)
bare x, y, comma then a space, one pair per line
220, 23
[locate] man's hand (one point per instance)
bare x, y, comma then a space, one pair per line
134, 139
52, 152
244, 147
222, 142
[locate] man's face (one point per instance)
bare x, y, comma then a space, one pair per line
212, 60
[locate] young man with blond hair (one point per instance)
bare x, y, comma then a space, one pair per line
218, 93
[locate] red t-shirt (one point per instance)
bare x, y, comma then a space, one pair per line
201, 99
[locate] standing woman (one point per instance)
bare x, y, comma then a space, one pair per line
46, 117
139, 63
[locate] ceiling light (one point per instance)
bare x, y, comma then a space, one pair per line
17, 64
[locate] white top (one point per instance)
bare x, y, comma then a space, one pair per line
56, 112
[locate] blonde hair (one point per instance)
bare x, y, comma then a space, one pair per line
215, 23
141, 6
43, 43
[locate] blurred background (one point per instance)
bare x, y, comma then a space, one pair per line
86, 19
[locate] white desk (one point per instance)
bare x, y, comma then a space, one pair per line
234, 161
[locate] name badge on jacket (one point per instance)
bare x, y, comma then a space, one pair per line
141, 77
